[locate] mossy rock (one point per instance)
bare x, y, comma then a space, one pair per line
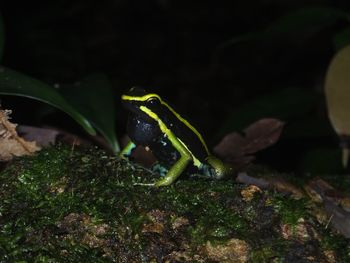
82, 205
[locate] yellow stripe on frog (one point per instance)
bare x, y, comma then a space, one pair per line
177, 143
152, 95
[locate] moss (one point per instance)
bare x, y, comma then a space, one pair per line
333, 242
83, 205
290, 210
270, 252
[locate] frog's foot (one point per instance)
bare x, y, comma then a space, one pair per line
216, 168
174, 171
165, 181
123, 157
159, 169
126, 152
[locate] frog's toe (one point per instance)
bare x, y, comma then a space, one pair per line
165, 181
159, 169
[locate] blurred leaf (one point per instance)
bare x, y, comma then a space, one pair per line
237, 149
42, 136
14, 83
2, 37
93, 97
342, 39
282, 104
257, 136
337, 89
311, 20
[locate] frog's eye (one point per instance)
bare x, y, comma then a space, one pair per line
153, 101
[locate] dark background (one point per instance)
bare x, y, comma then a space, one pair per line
181, 50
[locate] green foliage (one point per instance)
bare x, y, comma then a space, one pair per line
93, 97
90, 103
14, 83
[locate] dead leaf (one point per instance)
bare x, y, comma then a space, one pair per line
283, 186
10, 143
43, 136
236, 148
276, 183
249, 192
46, 136
179, 222
244, 178
153, 228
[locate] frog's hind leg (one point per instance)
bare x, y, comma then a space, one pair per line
215, 168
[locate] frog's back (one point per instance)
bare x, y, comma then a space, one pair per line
185, 132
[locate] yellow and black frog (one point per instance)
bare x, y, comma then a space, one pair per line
174, 142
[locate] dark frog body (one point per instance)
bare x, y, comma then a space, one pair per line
175, 143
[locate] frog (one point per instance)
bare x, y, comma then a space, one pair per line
175, 143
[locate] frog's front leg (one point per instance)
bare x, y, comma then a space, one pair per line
126, 152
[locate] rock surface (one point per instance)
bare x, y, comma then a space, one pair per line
83, 206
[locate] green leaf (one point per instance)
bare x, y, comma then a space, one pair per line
304, 22
2, 37
14, 83
93, 97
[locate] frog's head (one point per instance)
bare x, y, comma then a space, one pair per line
136, 98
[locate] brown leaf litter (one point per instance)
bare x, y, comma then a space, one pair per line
10, 143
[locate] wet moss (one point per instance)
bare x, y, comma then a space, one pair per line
65, 205
333, 242
270, 252
290, 210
